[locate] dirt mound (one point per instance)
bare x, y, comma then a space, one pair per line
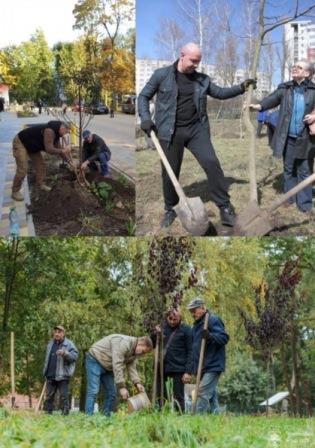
65, 201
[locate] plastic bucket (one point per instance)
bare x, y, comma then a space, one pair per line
137, 402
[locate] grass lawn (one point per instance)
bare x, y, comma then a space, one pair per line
232, 152
154, 430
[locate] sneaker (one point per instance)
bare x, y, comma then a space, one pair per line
17, 196
44, 187
227, 215
168, 218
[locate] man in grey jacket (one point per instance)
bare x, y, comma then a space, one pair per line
181, 120
105, 364
60, 359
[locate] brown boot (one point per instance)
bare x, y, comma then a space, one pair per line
17, 196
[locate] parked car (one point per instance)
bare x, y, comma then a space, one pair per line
75, 106
129, 105
99, 108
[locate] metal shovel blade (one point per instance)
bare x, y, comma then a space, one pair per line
252, 221
193, 215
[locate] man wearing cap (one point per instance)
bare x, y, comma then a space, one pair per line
95, 149
177, 350
60, 359
214, 358
28, 144
105, 364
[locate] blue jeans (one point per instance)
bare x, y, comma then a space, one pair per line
102, 157
96, 375
294, 171
207, 400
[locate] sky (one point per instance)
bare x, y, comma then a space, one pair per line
21, 18
149, 13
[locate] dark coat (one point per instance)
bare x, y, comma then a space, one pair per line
163, 84
91, 151
214, 358
178, 355
284, 96
65, 365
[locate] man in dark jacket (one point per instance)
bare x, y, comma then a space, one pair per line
177, 362
28, 144
181, 120
291, 139
95, 149
214, 359
60, 359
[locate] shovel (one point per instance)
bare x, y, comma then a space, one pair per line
190, 211
200, 365
254, 221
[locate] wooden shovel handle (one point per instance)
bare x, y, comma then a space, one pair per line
275, 204
41, 398
156, 364
200, 365
168, 167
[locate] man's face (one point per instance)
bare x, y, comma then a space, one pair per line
142, 349
299, 72
190, 61
58, 334
197, 312
89, 138
173, 319
63, 130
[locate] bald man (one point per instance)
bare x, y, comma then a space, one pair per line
181, 121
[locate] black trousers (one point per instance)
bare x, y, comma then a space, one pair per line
178, 389
196, 138
51, 388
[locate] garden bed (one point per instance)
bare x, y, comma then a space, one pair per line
106, 208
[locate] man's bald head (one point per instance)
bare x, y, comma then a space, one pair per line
189, 59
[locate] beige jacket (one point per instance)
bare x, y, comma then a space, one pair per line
114, 353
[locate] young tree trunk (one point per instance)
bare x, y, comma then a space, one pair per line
83, 383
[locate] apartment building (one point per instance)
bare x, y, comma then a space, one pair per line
299, 40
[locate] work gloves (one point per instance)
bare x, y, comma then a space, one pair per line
205, 335
147, 126
248, 82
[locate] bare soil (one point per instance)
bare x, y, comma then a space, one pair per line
72, 210
232, 152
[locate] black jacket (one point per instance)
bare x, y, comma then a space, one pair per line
33, 136
305, 143
92, 150
163, 84
214, 358
178, 355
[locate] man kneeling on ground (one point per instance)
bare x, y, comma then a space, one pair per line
95, 149
105, 363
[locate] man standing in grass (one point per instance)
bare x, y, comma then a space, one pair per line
214, 359
177, 360
61, 356
105, 364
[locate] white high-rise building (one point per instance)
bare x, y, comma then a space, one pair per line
299, 38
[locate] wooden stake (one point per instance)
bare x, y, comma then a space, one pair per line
12, 365
156, 364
